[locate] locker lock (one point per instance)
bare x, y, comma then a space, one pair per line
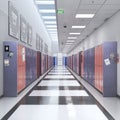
10, 54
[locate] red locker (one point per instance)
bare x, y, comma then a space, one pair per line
38, 64
82, 64
99, 68
21, 74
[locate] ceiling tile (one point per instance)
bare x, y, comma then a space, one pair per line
89, 7
112, 2
94, 2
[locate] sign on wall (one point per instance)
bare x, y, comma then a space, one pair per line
37, 42
45, 48
29, 41
23, 30
13, 21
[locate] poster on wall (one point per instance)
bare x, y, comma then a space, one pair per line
37, 42
45, 48
13, 21
23, 30
42, 45
29, 41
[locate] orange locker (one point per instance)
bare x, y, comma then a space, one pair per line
21, 68
82, 64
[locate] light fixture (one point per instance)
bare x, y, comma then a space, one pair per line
50, 22
53, 32
45, 2
47, 11
70, 41
78, 26
67, 45
72, 37
74, 33
51, 26
49, 17
84, 15
52, 29
53, 35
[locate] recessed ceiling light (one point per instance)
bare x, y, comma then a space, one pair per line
45, 2
78, 26
53, 33
53, 36
47, 11
70, 41
72, 37
74, 33
84, 15
67, 45
51, 26
50, 22
49, 17
52, 29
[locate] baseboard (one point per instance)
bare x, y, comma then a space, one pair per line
1, 96
118, 96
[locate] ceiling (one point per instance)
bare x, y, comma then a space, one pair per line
102, 10
47, 11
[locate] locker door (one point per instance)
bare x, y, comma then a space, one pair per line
101, 69
82, 65
21, 68
96, 67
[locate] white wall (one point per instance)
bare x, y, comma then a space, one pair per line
28, 10
60, 58
109, 31
55, 48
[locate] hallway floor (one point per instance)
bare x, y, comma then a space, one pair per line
58, 96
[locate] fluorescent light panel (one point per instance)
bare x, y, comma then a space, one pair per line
50, 22
70, 41
84, 15
55, 36
74, 33
78, 26
52, 29
67, 45
49, 17
45, 2
53, 33
72, 37
47, 11
51, 26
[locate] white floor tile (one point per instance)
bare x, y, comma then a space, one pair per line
60, 76
59, 73
59, 83
58, 112
111, 104
58, 93
60, 70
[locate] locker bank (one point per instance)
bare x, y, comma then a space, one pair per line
59, 60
